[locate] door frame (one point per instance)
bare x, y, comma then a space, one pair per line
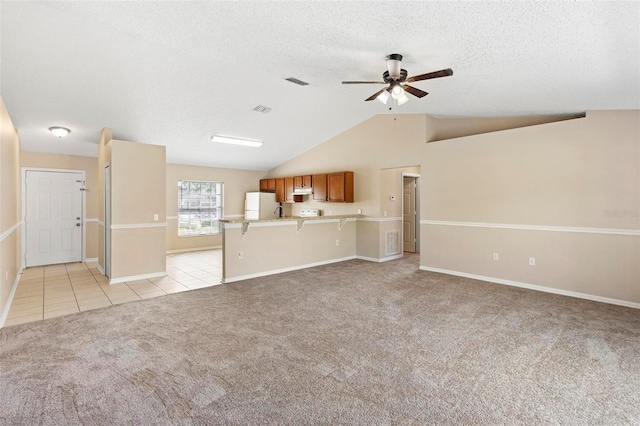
106, 215
24, 170
417, 196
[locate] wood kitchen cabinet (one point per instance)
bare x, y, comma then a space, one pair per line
267, 185
280, 190
319, 187
302, 182
340, 187
289, 196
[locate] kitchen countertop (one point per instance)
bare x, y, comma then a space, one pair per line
293, 218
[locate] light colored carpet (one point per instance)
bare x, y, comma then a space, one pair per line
348, 343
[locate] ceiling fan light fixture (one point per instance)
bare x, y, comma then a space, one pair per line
236, 141
59, 131
383, 97
397, 91
394, 62
402, 99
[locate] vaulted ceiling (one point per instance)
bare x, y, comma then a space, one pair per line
175, 73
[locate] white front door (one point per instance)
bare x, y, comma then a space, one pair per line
53, 218
409, 214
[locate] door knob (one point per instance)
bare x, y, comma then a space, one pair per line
77, 224
77, 218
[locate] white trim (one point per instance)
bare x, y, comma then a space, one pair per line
172, 217
380, 260
91, 259
9, 231
92, 220
280, 271
7, 305
187, 250
140, 225
233, 216
100, 223
138, 277
535, 287
101, 269
610, 231
284, 222
380, 219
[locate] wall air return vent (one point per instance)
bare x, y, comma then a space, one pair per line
263, 109
296, 81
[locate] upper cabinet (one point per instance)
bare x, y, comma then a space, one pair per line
340, 187
328, 187
267, 185
319, 187
302, 183
280, 192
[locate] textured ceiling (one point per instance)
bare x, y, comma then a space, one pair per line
175, 73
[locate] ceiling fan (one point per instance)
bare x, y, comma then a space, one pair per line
396, 78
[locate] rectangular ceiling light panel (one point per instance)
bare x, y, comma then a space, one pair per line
236, 141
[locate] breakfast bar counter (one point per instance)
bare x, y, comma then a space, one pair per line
259, 247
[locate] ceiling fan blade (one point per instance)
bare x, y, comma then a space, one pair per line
363, 82
436, 74
375, 95
415, 91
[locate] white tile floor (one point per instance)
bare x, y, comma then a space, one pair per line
50, 291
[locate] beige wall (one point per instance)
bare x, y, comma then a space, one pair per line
72, 162
555, 171
138, 185
569, 174
236, 184
10, 210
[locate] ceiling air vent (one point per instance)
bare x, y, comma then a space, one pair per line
296, 81
263, 109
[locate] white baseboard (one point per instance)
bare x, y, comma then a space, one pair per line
100, 269
91, 259
187, 250
280, 271
7, 306
138, 277
380, 260
536, 287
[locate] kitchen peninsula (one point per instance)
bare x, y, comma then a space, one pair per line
254, 248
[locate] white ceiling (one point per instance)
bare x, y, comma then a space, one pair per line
175, 73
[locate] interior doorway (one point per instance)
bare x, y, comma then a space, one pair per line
410, 219
53, 214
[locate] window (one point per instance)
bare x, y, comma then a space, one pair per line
199, 208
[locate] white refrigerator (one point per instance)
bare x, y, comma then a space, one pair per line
261, 205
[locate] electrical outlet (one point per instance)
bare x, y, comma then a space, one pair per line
330, 212
359, 211
155, 216
240, 255
337, 242
532, 261
496, 256
385, 213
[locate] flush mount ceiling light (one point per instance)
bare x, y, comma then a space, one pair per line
59, 131
236, 141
